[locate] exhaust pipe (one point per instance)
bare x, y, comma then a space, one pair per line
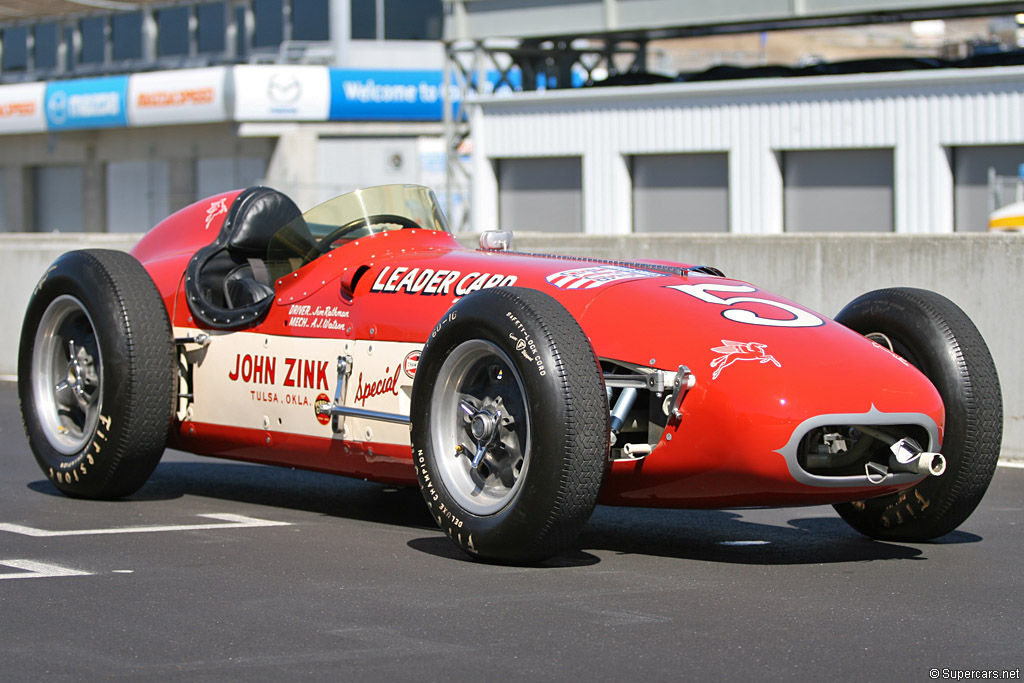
907, 456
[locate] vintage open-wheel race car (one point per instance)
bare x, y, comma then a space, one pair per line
517, 390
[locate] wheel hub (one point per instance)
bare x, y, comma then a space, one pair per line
482, 426
80, 376
484, 421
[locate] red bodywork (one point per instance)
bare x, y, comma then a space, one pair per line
766, 369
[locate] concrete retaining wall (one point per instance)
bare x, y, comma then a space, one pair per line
982, 273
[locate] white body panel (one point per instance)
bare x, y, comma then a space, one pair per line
274, 383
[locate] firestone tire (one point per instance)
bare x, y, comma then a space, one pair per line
509, 379
937, 337
96, 374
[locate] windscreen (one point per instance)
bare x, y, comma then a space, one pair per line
350, 216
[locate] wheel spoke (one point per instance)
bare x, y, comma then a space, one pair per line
481, 449
467, 408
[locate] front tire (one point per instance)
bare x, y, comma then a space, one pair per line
937, 337
510, 426
96, 374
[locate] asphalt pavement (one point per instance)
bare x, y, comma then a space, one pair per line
220, 571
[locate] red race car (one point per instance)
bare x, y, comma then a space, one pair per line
517, 390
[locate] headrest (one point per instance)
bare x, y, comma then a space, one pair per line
262, 213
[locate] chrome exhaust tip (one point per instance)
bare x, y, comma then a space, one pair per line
907, 456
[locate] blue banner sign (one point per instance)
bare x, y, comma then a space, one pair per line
396, 95
359, 95
87, 103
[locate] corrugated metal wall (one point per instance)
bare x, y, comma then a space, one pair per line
921, 116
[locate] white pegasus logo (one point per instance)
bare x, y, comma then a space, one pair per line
733, 351
215, 209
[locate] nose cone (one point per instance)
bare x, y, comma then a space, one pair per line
779, 394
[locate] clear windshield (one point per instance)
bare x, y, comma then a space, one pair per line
350, 216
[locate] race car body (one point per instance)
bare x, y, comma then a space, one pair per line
517, 390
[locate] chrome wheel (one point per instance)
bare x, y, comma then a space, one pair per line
481, 427
67, 375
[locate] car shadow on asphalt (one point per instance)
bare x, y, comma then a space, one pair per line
716, 536
732, 537
703, 535
280, 487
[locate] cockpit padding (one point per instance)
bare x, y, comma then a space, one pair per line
228, 282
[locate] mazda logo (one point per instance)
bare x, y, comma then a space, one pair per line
284, 89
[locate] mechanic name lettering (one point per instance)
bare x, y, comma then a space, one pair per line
431, 282
381, 386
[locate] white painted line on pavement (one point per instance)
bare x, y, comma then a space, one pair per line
1013, 464
229, 522
38, 570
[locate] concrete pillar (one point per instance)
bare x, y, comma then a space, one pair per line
292, 168
94, 193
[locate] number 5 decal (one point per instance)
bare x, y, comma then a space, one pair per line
800, 317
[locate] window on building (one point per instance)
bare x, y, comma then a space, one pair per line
172, 31
412, 19
210, 27
241, 33
310, 20
94, 40
401, 19
15, 49
69, 53
45, 49
268, 16
364, 19
126, 35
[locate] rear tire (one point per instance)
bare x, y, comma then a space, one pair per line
96, 374
508, 378
937, 337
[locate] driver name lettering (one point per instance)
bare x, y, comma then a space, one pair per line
317, 317
429, 282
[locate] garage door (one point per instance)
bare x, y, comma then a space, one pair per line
540, 194
58, 195
838, 190
970, 178
137, 195
680, 192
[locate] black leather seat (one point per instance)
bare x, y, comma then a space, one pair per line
228, 282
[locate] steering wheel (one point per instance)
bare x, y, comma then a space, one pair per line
364, 223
